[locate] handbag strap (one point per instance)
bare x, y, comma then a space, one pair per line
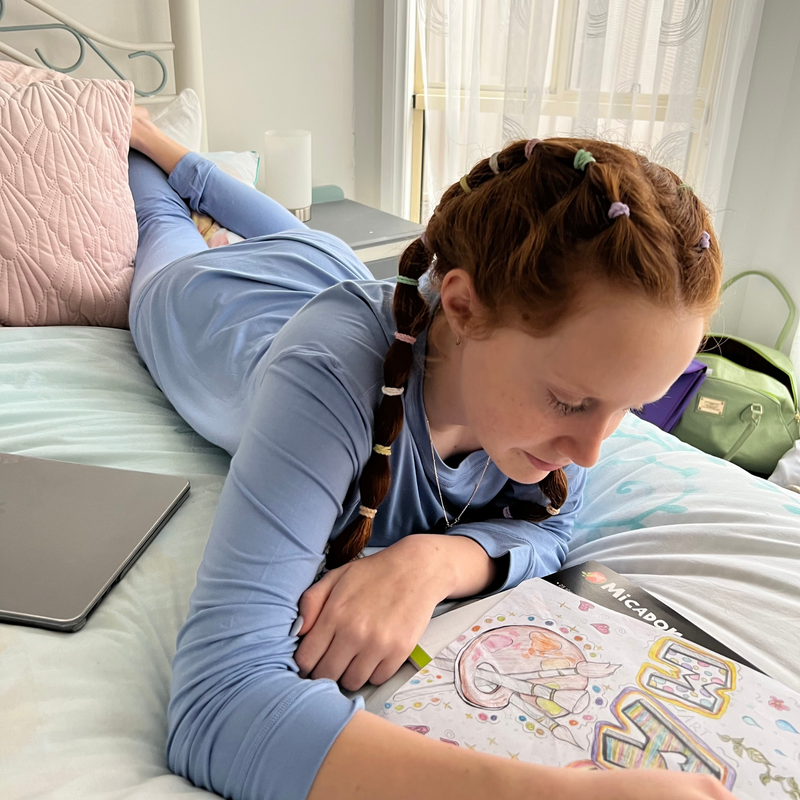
784, 334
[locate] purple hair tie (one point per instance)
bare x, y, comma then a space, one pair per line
617, 209
529, 145
507, 513
705, 240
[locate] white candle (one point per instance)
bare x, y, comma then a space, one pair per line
287, 169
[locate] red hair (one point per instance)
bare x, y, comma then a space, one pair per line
529, 236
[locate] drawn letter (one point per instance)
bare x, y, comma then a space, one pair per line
649, 736
690, 678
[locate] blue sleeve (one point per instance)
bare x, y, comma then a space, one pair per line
533, 548
241, 721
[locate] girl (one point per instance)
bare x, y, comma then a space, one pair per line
558, 284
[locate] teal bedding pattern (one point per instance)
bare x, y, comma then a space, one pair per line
84, 715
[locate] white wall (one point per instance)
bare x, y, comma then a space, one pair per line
761, 228
277, 64
268, 64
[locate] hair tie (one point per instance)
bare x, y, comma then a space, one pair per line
382, 450
529, 145
582, 158
392, 391
507, 513
705, 240
493, 163
407, 281
685, 186
369, 513
617, 209
464, 185
552, 510
404, 337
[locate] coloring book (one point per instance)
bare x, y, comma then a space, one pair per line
549, 677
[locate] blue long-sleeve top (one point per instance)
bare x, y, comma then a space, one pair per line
296, 414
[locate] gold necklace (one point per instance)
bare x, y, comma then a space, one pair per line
447, 522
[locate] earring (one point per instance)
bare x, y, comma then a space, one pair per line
458, 341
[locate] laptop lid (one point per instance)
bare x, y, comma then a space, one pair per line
69, 531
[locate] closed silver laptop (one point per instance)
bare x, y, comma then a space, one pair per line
68, 532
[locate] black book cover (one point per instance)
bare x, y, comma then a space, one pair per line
604, 587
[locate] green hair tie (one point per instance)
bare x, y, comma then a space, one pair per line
685, 186
582, 158
407, 281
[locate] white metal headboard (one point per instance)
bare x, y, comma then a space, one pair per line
186, 48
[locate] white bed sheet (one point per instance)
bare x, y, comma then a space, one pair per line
84, 715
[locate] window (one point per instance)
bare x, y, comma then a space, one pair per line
660, 64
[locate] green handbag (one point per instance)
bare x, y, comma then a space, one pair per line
746, 410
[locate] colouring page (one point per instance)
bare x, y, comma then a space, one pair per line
550, 678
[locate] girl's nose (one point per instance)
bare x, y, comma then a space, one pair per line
583, 438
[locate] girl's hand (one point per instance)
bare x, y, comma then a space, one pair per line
648, 784
363, 619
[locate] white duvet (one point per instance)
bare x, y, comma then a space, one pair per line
84, 715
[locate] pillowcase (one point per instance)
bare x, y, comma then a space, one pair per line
67, 223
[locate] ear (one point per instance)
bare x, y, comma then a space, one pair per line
460, 304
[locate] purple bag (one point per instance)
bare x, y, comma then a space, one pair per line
667, 411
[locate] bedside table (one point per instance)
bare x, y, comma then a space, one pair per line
377, 238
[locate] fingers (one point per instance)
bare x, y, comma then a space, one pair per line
359, 672
312, 648
314, 598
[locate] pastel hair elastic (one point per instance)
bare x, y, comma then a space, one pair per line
582, 158
705, 240
464, 185
529, 145
407, 281
382, 450
367, 512
493, 163
404, 337
393, 391
618, 209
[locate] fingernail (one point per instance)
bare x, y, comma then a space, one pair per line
296, 625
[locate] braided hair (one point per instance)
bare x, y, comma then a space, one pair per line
530, 224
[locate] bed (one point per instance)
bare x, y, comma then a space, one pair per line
84, 715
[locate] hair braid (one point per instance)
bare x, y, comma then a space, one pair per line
530, 225
411, 316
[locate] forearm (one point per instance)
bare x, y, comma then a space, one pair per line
373, 758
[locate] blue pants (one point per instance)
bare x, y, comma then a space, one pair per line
166, 230
202, 319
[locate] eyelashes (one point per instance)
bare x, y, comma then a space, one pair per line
564, 409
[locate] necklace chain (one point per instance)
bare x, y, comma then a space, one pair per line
447, 522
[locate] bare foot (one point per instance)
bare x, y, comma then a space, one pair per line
140, 112
156, 145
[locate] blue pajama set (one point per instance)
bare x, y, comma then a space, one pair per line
273, 349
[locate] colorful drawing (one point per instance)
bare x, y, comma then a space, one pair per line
645, 734
693, 678
546, 691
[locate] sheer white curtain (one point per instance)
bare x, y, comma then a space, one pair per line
657, 75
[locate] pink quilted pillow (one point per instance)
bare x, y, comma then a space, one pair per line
67, 223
